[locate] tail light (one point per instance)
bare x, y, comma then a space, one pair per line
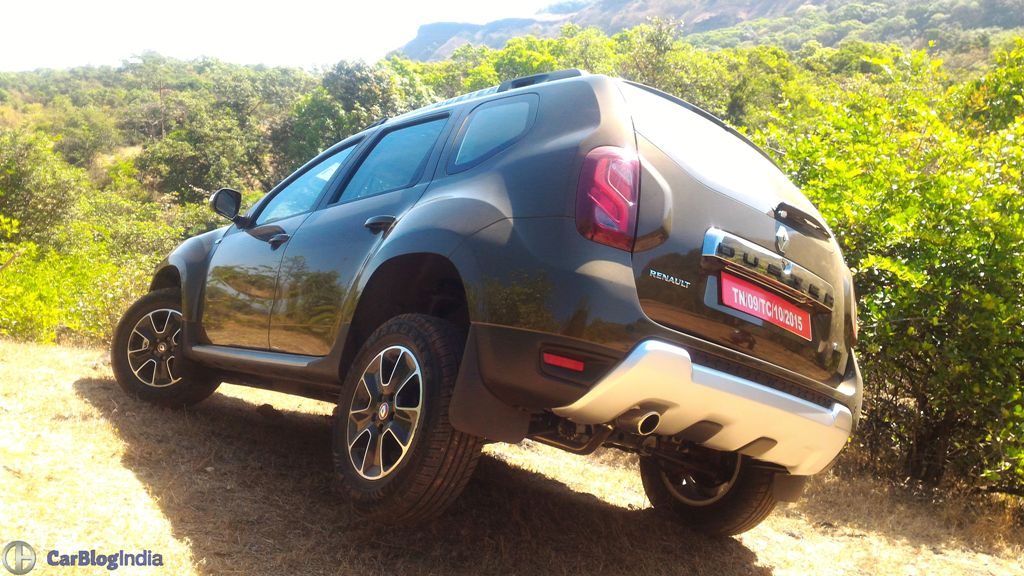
607, 195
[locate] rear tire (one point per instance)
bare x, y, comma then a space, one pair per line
730, 501
395, 451
145, 354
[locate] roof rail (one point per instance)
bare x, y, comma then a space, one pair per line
505, 86
539, 79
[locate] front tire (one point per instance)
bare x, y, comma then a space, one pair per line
145, 354
395, 451
724, 497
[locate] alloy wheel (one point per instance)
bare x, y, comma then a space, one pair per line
384, 412
703, 487
153, 348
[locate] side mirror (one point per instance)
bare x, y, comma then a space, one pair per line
227, 203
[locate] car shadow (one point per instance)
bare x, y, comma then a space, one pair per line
250, 490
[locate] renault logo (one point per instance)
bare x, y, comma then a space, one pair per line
782, 239
19, 558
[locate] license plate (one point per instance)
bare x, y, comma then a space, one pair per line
741, 295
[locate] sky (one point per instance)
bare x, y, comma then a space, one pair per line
306, 33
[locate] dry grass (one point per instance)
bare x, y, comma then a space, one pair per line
233, 487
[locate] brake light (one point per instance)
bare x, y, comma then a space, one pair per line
607, 196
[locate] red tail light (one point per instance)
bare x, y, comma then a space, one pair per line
607, 195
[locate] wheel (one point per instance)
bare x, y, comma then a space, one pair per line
146, 353
395, 452
723, 496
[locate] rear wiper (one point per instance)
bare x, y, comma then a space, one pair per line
802, 221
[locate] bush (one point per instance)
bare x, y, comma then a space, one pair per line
37, 187
930, 214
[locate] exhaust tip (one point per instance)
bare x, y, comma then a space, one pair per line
638, 421
648, 423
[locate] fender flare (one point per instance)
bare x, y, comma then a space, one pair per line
188, 263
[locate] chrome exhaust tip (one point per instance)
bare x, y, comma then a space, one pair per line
639, 421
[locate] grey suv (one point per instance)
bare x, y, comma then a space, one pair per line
570, 258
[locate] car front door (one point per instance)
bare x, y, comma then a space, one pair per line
242, 277
332, 245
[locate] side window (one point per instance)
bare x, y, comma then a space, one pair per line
491, 128
302, 193
396, 162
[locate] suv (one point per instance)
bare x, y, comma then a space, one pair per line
570, 258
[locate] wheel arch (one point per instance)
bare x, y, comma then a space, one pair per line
167, 276
409, 283
185, 268
430, 283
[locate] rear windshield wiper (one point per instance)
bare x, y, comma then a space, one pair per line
802, 221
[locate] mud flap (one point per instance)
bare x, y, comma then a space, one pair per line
474, 410
788, 488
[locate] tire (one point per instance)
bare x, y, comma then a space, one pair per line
737, 501
409, 364
145, 354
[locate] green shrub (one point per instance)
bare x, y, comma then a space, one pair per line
930, 215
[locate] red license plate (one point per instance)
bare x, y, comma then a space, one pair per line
756, 301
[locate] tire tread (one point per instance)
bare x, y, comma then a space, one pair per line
196, 385
434, 478
747, 504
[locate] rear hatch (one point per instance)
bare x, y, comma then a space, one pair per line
728, 250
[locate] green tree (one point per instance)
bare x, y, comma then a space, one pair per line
205, 150
524, 56
996, 99
644, 51
584, 48
932, 221
316, 122
81, 132
38, 188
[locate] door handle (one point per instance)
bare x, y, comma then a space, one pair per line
276, 240
379, 223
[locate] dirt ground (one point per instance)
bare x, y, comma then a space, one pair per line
241, 484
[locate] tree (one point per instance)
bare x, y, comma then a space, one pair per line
932, 221
366, 93
38, 188
644, 51
81, 132
206, 151
316, 122
588, 49
996, 99
524, 56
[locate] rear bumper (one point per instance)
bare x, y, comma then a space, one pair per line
716, 409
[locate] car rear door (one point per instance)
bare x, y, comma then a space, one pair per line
332, 245
728, 249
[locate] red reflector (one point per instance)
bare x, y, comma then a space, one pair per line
562, 362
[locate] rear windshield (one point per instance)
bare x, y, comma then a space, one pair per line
708, 151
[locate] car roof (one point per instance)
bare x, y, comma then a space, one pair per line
533, 81
504, 87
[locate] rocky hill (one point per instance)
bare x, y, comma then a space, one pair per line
723, 23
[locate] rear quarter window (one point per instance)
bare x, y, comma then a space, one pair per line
491, 128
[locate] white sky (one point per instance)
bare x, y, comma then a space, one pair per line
307, 33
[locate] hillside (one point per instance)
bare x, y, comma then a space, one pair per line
953, 25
